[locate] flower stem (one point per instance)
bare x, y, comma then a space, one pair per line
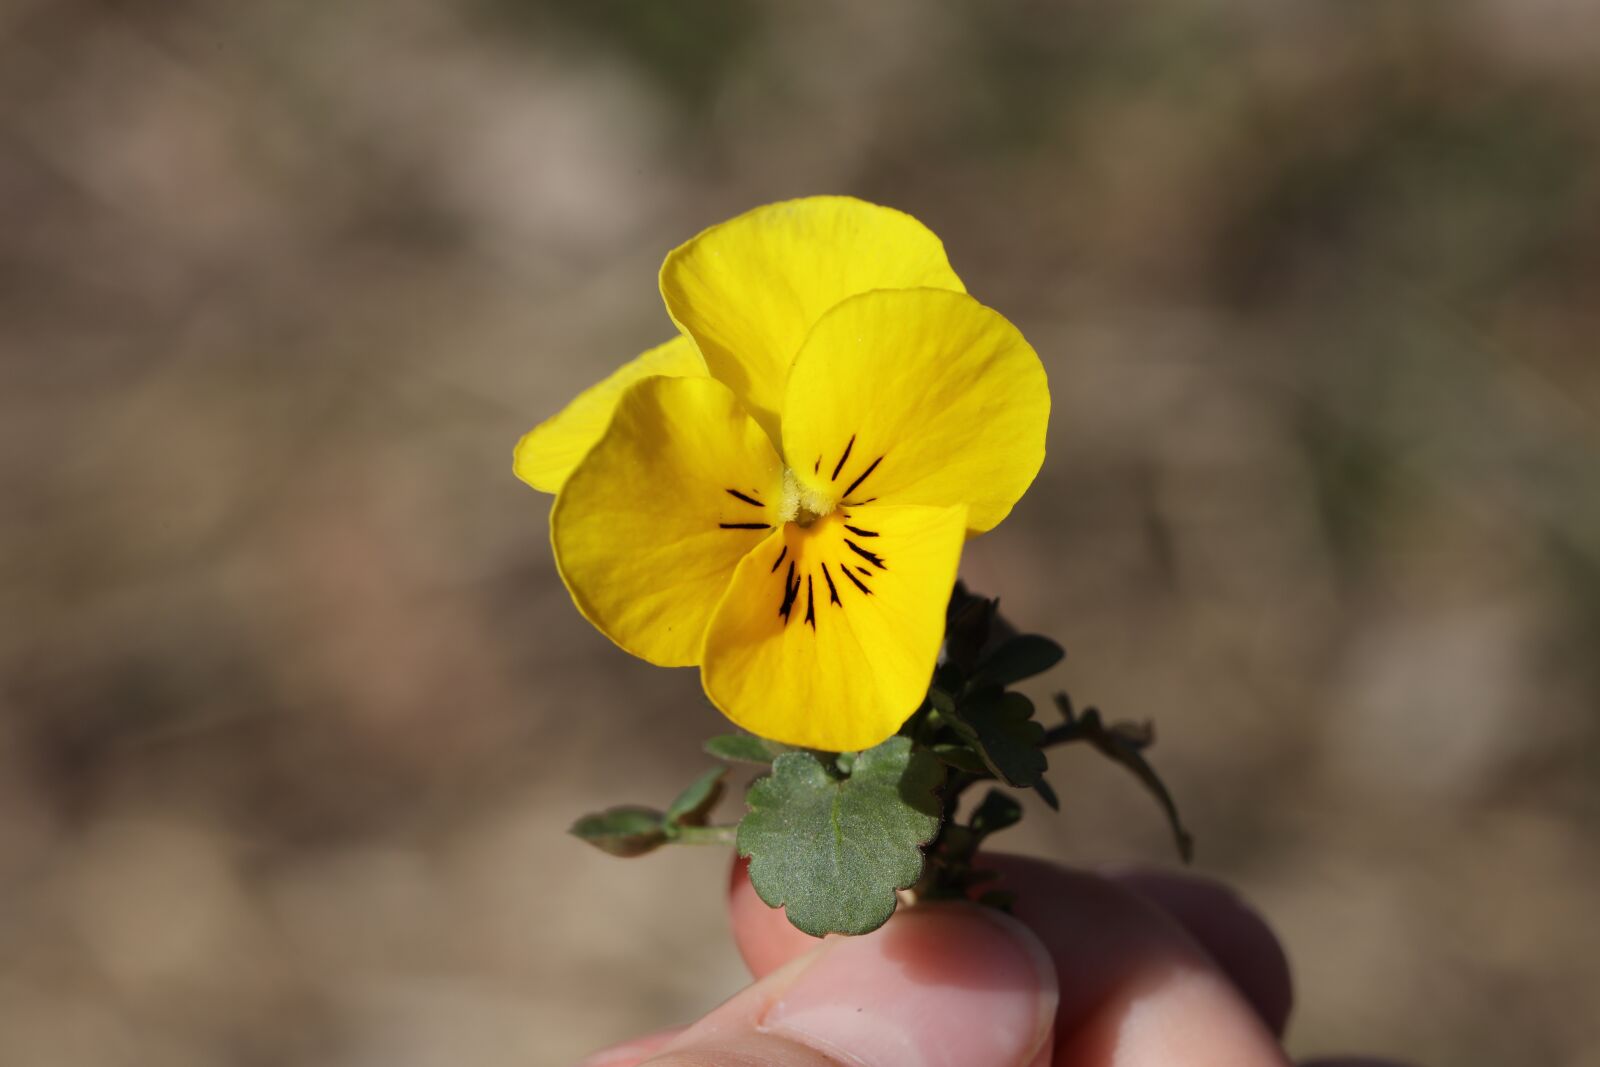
706, 835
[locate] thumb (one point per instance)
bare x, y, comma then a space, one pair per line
943, 985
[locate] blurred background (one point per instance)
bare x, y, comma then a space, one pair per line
294, 711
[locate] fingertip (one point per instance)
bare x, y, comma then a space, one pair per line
631, 1053
939, 984
1230, 930
1136, 988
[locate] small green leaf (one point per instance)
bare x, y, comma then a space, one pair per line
961, 758
742, 748
1047, 794
997, 812
1019, 658
625, 831
694, 804
1001, 727
833, 852
1125, 744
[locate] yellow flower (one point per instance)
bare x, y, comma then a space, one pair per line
780, 494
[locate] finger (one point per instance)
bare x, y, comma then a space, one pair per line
1111, 948
1358, 1061
1135, 989
948, 985
1231, 932
631, 1053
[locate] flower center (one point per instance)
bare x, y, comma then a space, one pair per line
800, 505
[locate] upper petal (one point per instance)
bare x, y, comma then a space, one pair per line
651, 524
917, 396
546, 454
827, 636
749, 289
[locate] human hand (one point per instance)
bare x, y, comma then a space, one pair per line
1134, 970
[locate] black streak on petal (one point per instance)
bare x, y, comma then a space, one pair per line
744, 526
871, 557
833, 592
845, 570
779, 560
811, 604
747, 499
837, 467
845, 495
859, 532
791, 587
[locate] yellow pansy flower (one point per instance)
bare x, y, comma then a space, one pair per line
780, 494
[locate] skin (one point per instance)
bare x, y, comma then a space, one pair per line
1128, 969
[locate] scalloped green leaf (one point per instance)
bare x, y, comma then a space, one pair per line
623, 831
1001, 728
1017, 659
832, 851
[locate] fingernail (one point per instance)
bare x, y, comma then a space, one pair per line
940, 986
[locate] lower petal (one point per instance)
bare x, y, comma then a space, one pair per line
828, 635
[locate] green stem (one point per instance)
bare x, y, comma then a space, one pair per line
706, 835
1060, 735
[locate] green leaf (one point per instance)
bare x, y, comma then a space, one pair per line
694, 804
1124, 743
1019, 658
961, 758
1001, 727
997, 812
742, 748
1047, 793
967, 627
624, 831
833, 852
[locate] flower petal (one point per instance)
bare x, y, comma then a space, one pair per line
749, 289
827, 636
651, 524
917, 396
548, 452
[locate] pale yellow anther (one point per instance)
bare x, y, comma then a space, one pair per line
801, 504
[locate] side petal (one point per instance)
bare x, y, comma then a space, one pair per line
749, 289
827, 636
917, 396
650, 526
547, 453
